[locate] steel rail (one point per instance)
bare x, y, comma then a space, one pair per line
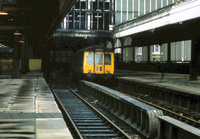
115, 126
65, 113
167, 110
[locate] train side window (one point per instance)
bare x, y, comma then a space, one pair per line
90, 58
99, 59
107, 59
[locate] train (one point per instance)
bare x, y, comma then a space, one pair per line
93, 62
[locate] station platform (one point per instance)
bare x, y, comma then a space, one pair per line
28, 110
171, 81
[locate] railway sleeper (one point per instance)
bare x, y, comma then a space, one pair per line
138, 115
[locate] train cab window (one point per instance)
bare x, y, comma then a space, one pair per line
107, 59
99, 58
90, 58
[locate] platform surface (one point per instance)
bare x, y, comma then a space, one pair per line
178, 82
28, 109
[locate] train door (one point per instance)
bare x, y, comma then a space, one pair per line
88, 62
99, 62
109, 63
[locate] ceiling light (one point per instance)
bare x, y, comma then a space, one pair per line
17, 33
1, 9
3, 13
21, 41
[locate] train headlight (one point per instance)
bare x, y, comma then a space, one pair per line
108, 71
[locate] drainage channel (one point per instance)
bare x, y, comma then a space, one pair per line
85, 121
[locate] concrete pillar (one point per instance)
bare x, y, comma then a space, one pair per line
15, 65
169, 52
23, 55
27, 45
148, 51
194, 58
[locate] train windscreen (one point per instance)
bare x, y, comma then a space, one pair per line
107, 58
99, 59
90, 58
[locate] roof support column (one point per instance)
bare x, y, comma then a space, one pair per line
24, 56
194, 58
27, 46
15, 65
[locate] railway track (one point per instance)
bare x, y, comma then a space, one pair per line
85, 121
179, 113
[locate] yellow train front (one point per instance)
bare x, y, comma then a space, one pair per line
97, 61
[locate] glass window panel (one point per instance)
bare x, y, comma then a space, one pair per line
135, 8
83, 5
51, 59
64, 53
153, 7
138, 54
141, 7
118, 43
99, 58
109, 45
57, 59
144, 53
100, 21
71, 20
169, 2
64, 59
130, 53
124, 54
118, 12
101, 6
106, 21
107, 6
158, 4
57, 53
95, 20
163, 52
77, 5
178, 51
164, 3
181, 51
118, 51
124, 10
94, 5
141, 54
51, 53
130, 5
187, 50
158, 53
128, 41
90, 58
76, 20
107, 59
82, 20
173, 51
147, 6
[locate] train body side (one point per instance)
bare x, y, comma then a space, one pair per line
98, 62
93, 61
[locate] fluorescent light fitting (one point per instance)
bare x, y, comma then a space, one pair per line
3, 13
21, 41
1, 9
17, 34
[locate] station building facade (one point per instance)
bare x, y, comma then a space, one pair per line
146, 34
